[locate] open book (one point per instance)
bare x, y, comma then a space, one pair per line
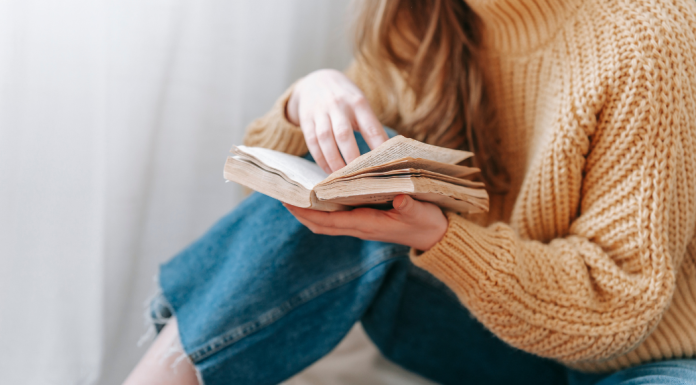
398, 166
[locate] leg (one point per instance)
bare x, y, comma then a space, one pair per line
677, 372
259, 297
421, 326
157, 367
671, 372
249, 273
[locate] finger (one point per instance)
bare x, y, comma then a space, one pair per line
319, 229
308, 129
406, 206
368, 125
343, 132
363, 219
313, 227
399, 201
331, 230
327, 142
316, 218
306, 216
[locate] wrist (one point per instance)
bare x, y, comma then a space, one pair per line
439, 231
432, 234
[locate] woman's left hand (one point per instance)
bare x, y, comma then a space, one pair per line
412, 223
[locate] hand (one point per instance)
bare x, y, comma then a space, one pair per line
412, 223
328, 107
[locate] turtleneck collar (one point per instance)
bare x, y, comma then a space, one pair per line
521, 25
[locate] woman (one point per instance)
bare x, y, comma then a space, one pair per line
584, 271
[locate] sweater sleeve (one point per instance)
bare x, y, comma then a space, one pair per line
276, 132
600, 289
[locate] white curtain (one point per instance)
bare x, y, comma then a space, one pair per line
115, 120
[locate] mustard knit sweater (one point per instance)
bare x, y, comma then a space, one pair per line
590, 259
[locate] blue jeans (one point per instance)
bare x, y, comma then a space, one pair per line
259, 297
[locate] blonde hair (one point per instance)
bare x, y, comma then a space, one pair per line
432, 46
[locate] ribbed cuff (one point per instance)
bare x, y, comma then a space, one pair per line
462, 257
275, 131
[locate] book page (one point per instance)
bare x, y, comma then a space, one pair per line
445, 202
300, 170
475, 196
399, 147
385, 183
407, 172
426, 164
274, 184
384, 190
411, 163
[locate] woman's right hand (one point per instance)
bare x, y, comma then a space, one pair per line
328, 107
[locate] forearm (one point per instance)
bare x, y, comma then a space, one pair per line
565, 300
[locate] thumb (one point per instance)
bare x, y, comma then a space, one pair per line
405, 205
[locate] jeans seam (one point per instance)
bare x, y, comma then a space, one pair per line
270, 316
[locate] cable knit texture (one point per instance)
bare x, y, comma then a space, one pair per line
590, 258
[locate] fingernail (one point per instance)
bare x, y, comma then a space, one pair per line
403, 203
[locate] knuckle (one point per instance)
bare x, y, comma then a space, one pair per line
372, 131
310, 137
324, 135
335, 101
359, 101
343, 133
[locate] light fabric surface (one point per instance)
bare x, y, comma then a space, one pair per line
115, 120
356, 361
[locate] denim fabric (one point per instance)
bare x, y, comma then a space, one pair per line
259, 297
671, 372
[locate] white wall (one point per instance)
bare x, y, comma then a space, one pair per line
115, 120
